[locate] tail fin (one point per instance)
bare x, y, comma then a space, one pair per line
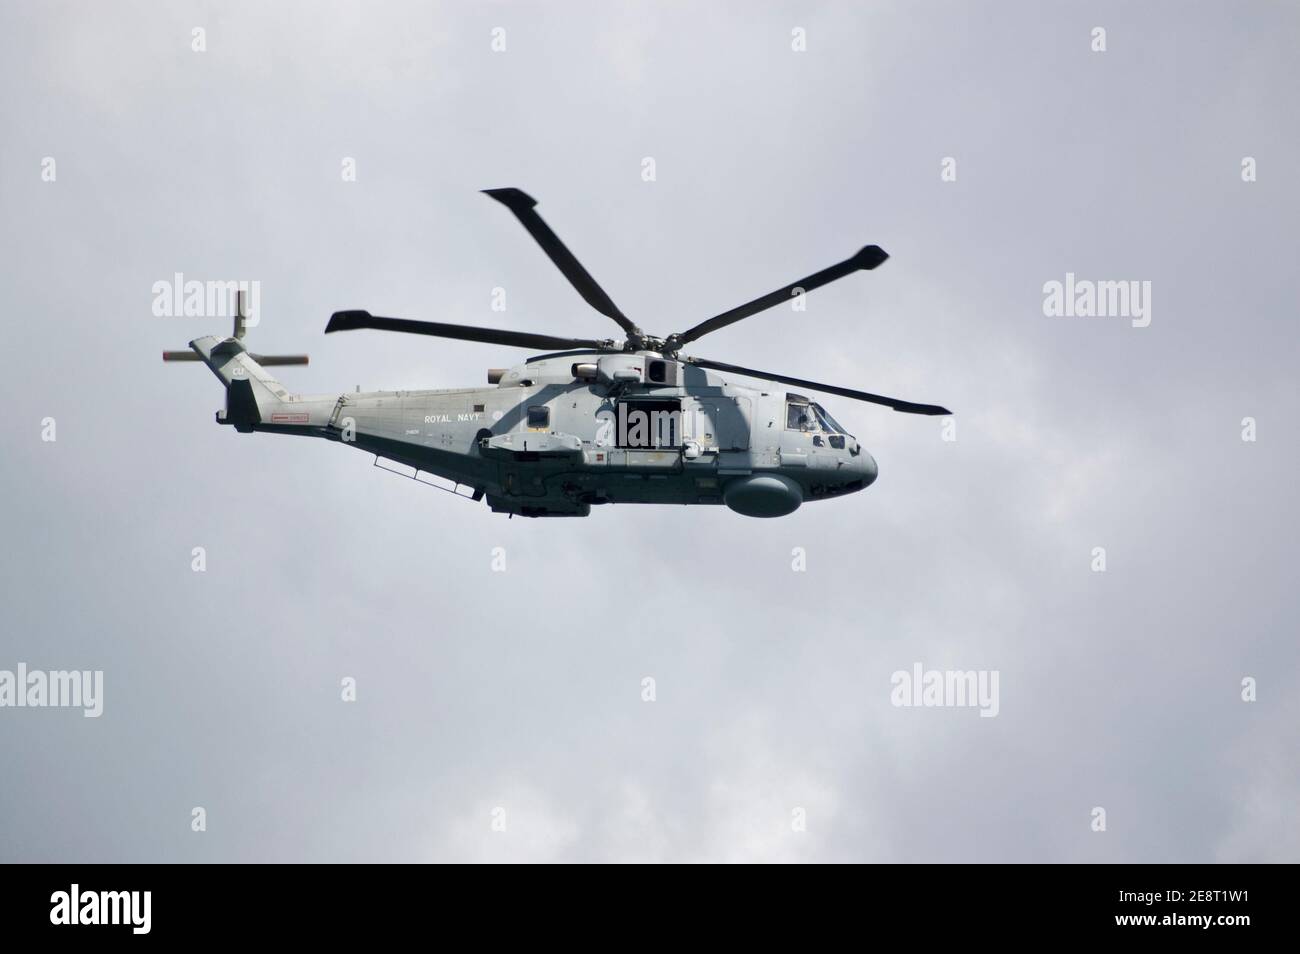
252, 395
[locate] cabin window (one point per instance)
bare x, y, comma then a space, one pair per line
539, 416
799, 417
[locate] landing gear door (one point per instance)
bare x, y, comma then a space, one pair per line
717, 423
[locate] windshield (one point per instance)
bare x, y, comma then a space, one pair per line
828, 423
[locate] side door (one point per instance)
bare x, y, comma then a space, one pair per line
717, 424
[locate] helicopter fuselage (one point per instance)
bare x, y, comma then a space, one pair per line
564, 431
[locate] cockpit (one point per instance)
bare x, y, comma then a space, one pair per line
807, 416
804, 415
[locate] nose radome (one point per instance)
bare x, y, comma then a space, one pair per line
869, 469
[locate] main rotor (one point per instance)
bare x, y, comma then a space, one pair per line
524, 208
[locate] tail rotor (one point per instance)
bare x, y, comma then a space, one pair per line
240, 329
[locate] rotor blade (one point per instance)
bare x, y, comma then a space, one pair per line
181, 356
907, 407
521, 204
352, 320
866, 259
271, 360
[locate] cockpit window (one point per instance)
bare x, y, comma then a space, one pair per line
799, 417
828, 423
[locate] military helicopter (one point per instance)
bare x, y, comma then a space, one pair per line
589, 421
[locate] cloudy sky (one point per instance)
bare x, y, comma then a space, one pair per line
521, 691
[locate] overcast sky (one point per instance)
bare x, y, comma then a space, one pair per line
522, 690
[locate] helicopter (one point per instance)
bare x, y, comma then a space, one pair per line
587, 421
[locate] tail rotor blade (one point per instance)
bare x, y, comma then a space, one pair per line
271, 360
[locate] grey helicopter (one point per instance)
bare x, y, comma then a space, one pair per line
588, 421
